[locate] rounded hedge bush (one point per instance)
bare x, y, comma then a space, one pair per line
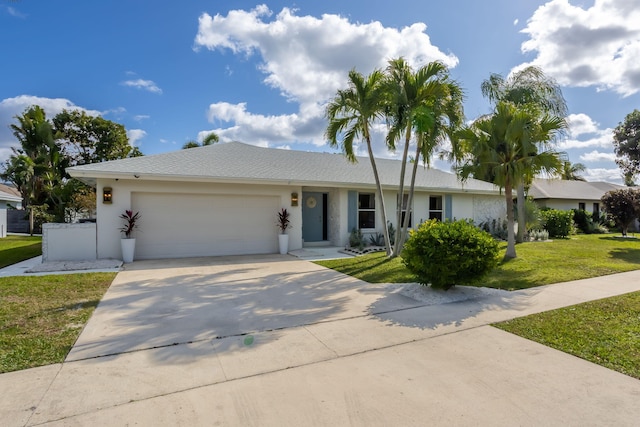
445, 254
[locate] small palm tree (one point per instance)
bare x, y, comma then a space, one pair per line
571, 171
210, 139
509, 146
531, 87
351, 113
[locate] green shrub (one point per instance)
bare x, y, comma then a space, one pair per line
497, 228
585, 222
538, 235
448, 253
356, 239
558, 223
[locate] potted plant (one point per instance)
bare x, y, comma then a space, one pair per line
283, 224
128, 243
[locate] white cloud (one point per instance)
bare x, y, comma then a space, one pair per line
12, 107
595, 46
15, 12
135, 135
148, 85
307, 59
585, 132
262, 130
597, 156
601, 174
141, 117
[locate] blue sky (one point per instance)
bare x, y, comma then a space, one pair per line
261, 72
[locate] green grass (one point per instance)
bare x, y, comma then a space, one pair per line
42, 316
14, 249
538, 263
606, 332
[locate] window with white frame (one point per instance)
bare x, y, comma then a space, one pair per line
435, 207
366, 210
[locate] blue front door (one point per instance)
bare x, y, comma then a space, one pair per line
313, 221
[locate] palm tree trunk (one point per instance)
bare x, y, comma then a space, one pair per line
403, 168
385, 231
405, 223
511, 240
521, 214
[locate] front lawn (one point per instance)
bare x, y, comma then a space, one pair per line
42, 316
14, 249
606, 332
538, 263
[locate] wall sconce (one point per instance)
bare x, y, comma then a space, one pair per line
107, 195
294, 199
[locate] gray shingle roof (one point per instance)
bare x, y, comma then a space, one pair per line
9, 194
572, 190
238, 162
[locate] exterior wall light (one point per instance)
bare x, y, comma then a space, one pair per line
294, 199
107, 195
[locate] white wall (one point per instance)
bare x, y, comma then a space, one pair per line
3, 218
566, 204
68, 242
109, 223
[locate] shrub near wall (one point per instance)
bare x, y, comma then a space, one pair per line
445, 254
558, 223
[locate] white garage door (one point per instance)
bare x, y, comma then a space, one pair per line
186, 225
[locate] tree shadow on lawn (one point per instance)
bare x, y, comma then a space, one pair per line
147, 309
629, 255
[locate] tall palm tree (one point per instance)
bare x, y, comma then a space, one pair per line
424, 104
571, 171
210, 139
351, 113
508, 146
529, 86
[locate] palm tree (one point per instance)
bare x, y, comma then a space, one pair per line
425, 104
529, 86
571, 171
351, 113
510, 145
210, 139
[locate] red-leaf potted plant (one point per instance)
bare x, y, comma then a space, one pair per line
283, 224
128, 243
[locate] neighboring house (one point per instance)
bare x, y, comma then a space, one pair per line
8, 197
565, 195
223, 199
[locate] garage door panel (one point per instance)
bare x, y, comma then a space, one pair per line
184, 225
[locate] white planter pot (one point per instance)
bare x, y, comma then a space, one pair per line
283, 243
128, 248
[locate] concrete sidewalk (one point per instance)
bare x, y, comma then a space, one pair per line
356, 355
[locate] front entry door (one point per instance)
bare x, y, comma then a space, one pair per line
313, 217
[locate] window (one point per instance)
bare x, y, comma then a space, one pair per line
435, 207
405, 202
581, 206
366, 210
596, 211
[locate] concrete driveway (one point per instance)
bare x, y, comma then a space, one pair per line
273, 340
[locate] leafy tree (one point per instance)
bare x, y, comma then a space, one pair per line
426, 104
47, 148
509, 146
37, 156
530, 87
89, 139
571, 171
210, 139
623, 205
351, 113
626, 145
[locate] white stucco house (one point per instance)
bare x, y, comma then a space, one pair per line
8, 196
565, 195
223, 199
